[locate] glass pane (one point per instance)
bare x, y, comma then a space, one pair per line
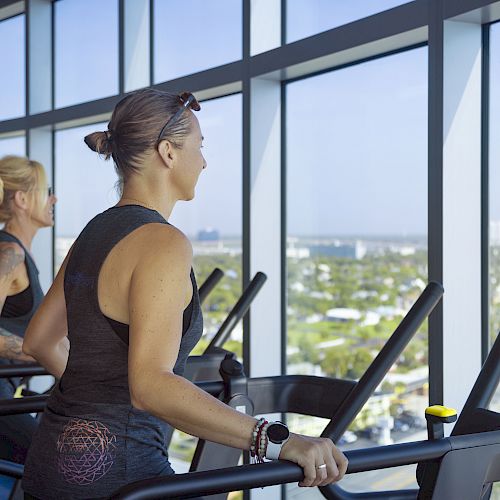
213, 223
86, 50
213, 220
13, 146
357, 241
12, 62
494, 194
194, 35
309, 17
84, 186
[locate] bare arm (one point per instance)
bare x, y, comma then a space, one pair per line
160, 289
11, 347
46, 336
11, 258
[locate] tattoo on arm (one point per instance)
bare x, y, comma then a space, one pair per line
9, 260
11, 346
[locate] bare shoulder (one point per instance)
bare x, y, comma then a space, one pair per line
159, 242
11, 255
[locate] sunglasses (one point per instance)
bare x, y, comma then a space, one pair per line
188, 100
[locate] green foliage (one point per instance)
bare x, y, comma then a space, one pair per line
317, 285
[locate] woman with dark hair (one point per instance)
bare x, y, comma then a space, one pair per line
26, 205
126, 296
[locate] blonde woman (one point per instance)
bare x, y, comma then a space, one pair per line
26, 205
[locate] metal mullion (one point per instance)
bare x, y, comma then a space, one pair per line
284, 230
53, 57
12, 17
246, 186
27, 61
7, 3
283, 243
452, 8
284, 21
246, 177
53, 167
485, 195
435, 195
151, 43
395, 22
356, 62
121, 46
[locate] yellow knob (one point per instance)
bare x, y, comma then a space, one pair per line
440, 411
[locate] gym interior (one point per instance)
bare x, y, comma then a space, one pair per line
353, 158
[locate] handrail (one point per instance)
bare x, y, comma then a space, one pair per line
11, 469
281, 472
485, 386
22, 370
272, 473
208, 285
237, 312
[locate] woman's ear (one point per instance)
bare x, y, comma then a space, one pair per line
167, 152
21, 199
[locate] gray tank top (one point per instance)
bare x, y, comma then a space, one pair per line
91, 440
18, 324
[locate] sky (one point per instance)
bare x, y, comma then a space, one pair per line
218, 193
356, 153
12, 103
308, 17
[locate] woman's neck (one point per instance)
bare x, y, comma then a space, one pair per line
161, 204
24, 232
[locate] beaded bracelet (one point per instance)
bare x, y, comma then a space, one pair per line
263, 441
258, 445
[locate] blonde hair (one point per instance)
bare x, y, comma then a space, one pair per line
18, 173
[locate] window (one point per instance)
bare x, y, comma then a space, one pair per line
194, 35
84, 186
309, 17
86, 50
13, 146
213, 222
12, 62
357, 240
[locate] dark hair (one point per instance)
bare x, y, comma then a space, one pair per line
134, 127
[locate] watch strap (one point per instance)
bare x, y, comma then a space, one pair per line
273, 450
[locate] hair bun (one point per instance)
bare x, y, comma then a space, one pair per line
100, 142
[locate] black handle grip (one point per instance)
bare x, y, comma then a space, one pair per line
21, 370
237, 312
209, 284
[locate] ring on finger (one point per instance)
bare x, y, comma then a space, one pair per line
322, 466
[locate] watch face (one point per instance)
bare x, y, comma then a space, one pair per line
277, 433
